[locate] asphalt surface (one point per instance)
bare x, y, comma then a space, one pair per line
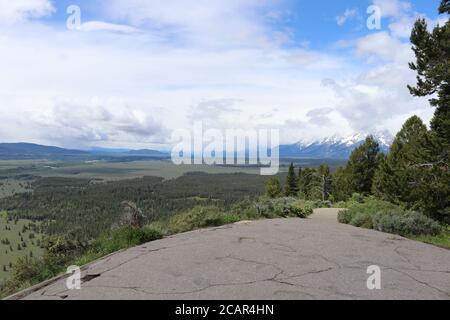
315, 258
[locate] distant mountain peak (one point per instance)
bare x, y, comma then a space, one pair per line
336, 146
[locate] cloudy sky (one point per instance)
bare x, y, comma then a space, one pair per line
135, 70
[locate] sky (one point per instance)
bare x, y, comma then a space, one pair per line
131, 72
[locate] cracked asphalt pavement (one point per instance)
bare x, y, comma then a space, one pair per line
315, 258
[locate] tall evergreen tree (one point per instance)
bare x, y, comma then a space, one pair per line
393, 179
322, 182
408, 174
432, 50
273, 188
362, 165
305, 182
291, 186
341, 189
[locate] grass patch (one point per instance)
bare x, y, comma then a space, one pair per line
442, 240
116, 240
196, 218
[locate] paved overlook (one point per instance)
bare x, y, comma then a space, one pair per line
316, 258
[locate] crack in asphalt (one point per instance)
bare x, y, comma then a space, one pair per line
143, 290
421, 282
274, 278
401, 255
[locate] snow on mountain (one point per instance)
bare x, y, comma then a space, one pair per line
334, 147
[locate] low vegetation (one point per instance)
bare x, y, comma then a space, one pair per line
115, 240
284, 207
18, 238
384, 216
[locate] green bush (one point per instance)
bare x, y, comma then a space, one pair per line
199, 217
322, 204
246, 209
301, 211
387, 217
406, 223
284, 207
345, 216
362, 219
370, 206
357, 198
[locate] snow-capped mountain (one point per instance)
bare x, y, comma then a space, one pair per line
334, 147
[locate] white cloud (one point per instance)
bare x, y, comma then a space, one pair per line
402, 17
381, 46
348, 14
218, 23
152, 69
50, 78
393, 8
105, 26
378, 99
12, 11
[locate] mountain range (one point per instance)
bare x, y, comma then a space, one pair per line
330, 148
334, 147
13, 151
36, 151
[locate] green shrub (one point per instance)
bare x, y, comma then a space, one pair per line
301, 211
340, 204
126, 237
322, 204
284, 207
246, 209
345, 216
362, 219
199, 217
387, 217
371, 206
357, 198
406, 223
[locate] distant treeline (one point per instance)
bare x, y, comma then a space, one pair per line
87, 207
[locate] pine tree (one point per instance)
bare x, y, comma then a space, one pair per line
432, 174
323, 181
305, 183
407, 175
432, 50
341, 185
393, 178
291, 186
362, 165
273, 188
